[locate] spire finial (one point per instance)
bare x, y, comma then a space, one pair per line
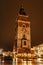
22, 11
22, 5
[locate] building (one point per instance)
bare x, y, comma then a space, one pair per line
22, 31
39, 49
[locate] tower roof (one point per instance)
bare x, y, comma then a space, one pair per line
22, 11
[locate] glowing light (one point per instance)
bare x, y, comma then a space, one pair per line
29, 62
16, 61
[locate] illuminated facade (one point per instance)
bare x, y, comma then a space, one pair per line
22, 31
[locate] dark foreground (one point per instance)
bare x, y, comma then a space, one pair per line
38, 61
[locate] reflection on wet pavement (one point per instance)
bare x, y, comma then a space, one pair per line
18, 61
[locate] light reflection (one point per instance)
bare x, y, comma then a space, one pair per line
29, 62
39, 62
19, 61
24, 63
14, 61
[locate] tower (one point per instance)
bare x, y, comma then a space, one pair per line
22, 30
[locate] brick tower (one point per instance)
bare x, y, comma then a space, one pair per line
22, 30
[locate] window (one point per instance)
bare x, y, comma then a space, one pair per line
24, 42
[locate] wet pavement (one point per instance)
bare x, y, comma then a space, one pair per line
18, 61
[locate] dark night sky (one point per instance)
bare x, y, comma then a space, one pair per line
9, 10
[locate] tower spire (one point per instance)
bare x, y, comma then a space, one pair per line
22, 11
